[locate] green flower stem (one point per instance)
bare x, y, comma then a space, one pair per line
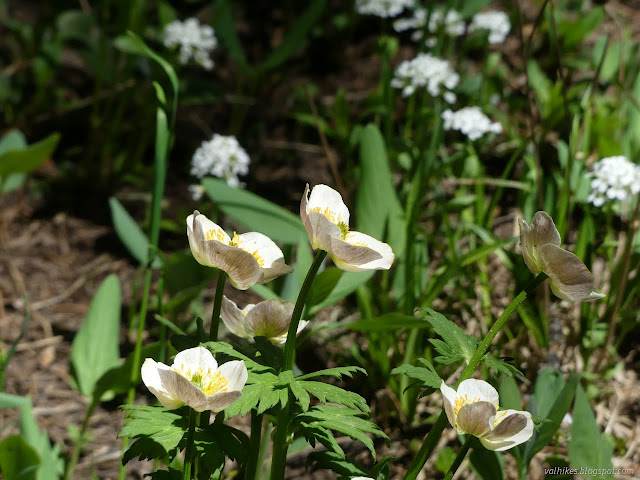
290, 345
434, 434
80, 441
193, 419
254, 446
459, 458
217, 305
280, 445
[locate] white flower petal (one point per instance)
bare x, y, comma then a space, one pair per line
181, 388
476, 418
329, 202
570, 279
235, 372
197, 357
200, 232
233, 318
477, 390
219, 401
241, 266
513, 428
542, 231
269, 319
358, 259
153, 382
272, 257
449, 400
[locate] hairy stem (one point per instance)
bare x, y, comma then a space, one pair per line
193, 418
217, 305
459, 458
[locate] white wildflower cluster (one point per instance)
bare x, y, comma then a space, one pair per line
470, 121
613, 178
194, 40
452, 20
495, 21
222, 157
428, 71
383, 8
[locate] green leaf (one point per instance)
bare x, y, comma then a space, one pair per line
254, 212
335, 462
18, 459
336, 372
509, 393
159, 429
261, 387
24, 160
556, 413
343, 420
573, 32
323, 285
226, 31
378, 206
301, 395
95, 347
326, 392
233, 442
489, 464
348, 283
388, 322
130, 234
587, 447
52, 465
295, 37
500, 366
13, 140
427, 374
452, 335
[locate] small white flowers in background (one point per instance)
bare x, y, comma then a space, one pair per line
196, 192
196, 41
425, 71
452, 20
222, 157
613, 178
382, 8
249, 259
195, 379
269, 319
495, 21
326, 219
470, 121
474, 409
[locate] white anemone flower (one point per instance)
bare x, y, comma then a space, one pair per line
268, 319
195, 379
569, 278
248, 259
474, 410
326, 219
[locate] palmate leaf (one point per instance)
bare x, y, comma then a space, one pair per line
159, 429
326, 392
448, 354
336, 462
253, 366
500, 366
336, 372
426, 375
259, 392
315, 433
344, 420
452, 334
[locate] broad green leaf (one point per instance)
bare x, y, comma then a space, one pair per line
574, 31
548, 385
348, 283
226, 31
95, 347
587, 447
293, 282
14, 140
323, 285
557, 411
509, 393
611, 61
255, 213
52, 465
295, 37
388, 322
378, 207
29, 158
130, 234
539, 82
489, 464
18, 459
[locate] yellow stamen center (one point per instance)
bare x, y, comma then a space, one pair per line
206, 380
333, 218
215, 234
236, 242
500, 416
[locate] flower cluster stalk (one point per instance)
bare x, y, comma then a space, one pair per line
434, 434
254, 446
188, 454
